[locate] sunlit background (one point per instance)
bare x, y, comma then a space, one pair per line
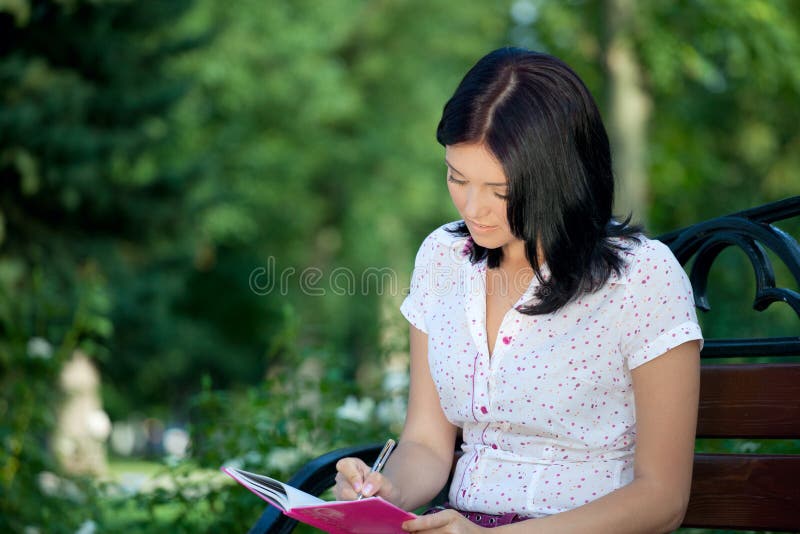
209, 213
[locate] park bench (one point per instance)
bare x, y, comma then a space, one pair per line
754, 491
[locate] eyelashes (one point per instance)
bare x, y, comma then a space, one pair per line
461, 182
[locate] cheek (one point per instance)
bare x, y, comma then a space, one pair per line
457, 196
501, 213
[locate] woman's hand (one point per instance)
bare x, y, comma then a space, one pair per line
444, 522
355, 476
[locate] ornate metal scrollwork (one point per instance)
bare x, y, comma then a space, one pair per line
753, 232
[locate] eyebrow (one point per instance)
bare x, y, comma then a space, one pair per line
494, 184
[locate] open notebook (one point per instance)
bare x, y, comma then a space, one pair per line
371, 515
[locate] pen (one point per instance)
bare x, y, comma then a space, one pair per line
380, 460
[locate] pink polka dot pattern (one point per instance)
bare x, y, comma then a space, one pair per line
548, 420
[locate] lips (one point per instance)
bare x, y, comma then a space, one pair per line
482, 227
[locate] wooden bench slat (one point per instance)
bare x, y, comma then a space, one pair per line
745, 491
749, 401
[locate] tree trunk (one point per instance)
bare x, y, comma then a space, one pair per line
629, 112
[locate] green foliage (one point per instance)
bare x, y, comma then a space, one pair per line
84, 125
154, 155
80, 98
722, 83
721, 79
273, 428
38, 335
318, 142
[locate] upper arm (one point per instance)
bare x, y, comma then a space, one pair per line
426, 423
666, 392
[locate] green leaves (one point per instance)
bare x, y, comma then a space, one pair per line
154, 155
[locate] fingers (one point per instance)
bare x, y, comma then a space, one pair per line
350, 478
447, 521
373, 484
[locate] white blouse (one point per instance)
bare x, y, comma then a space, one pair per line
548, 421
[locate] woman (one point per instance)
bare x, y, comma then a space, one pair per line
562, 343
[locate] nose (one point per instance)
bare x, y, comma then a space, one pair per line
476, 204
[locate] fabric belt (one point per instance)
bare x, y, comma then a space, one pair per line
479, 518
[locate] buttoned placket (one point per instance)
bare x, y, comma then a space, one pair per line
483, 391
485, 367
475, 310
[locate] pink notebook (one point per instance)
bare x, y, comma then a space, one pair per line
371, 515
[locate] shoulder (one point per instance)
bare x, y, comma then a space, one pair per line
651, 262
443, 245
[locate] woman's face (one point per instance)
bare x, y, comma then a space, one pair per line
478, 187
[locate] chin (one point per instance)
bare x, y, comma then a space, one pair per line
486, 243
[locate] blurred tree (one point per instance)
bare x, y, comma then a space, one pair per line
700, 100
318, 152
307, 142
84, 107
83, 126
152, 189
722, 79
629, 108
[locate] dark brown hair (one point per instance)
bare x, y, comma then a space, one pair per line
539, 120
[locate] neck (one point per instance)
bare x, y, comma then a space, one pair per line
514, 255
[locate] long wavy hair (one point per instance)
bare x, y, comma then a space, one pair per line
539, 120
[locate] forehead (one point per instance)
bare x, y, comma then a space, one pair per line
475, 162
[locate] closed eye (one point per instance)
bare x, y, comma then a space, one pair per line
451, 179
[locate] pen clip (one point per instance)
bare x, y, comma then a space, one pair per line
383, 456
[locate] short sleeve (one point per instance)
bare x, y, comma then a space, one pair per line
416, 304
659, 312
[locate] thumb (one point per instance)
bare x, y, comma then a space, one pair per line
354, 470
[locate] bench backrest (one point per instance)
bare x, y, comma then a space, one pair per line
746, 400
